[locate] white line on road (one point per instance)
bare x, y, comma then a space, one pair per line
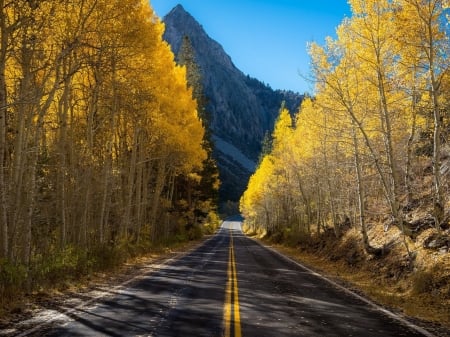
352, 293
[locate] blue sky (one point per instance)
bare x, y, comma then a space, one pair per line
266, 39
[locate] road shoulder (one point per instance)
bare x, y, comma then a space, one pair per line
39, 309
343, 277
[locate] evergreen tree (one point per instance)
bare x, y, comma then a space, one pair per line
186, 57
209, 183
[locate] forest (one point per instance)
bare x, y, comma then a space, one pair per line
102, 148
365, 161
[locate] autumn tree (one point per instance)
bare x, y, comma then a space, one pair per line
379, 87
423, 35
91, 138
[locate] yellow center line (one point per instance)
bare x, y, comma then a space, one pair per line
231, 305
237, 315
227, 309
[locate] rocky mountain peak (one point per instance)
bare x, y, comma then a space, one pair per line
180, 23
242, 109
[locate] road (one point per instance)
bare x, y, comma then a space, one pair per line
231, 286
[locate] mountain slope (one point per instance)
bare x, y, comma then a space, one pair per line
242, 109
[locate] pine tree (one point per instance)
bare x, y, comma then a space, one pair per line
209, 183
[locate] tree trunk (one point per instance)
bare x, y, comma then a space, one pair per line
62, 148
330, 186
4, 36
439, 203
104, 211
394, 190
159, 185
306, 203
361, 198
131, 186
409, 147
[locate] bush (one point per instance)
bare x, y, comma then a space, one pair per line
296, 237
211, 224
195, 232
277, 236
107, 257
13, 279
422, 282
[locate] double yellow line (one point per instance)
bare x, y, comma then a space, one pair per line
231, 309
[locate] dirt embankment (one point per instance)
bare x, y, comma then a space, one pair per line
415, 284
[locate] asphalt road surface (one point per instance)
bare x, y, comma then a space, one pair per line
232, 286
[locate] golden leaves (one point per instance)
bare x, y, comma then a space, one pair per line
372, 98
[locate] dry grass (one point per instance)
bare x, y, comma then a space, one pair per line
24, 306
420, 290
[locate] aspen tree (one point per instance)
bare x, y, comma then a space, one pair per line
6, 28
89, 127
422, 31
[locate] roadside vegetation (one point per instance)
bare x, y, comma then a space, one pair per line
358, 180
420, 290
98, 162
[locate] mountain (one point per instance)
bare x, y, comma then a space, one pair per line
242, 109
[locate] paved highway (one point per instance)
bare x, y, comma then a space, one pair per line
232, 286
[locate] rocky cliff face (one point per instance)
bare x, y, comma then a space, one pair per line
242, 109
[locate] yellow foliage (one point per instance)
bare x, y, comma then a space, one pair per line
97, 110
372, 100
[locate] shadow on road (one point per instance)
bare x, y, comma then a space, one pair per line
186, 298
